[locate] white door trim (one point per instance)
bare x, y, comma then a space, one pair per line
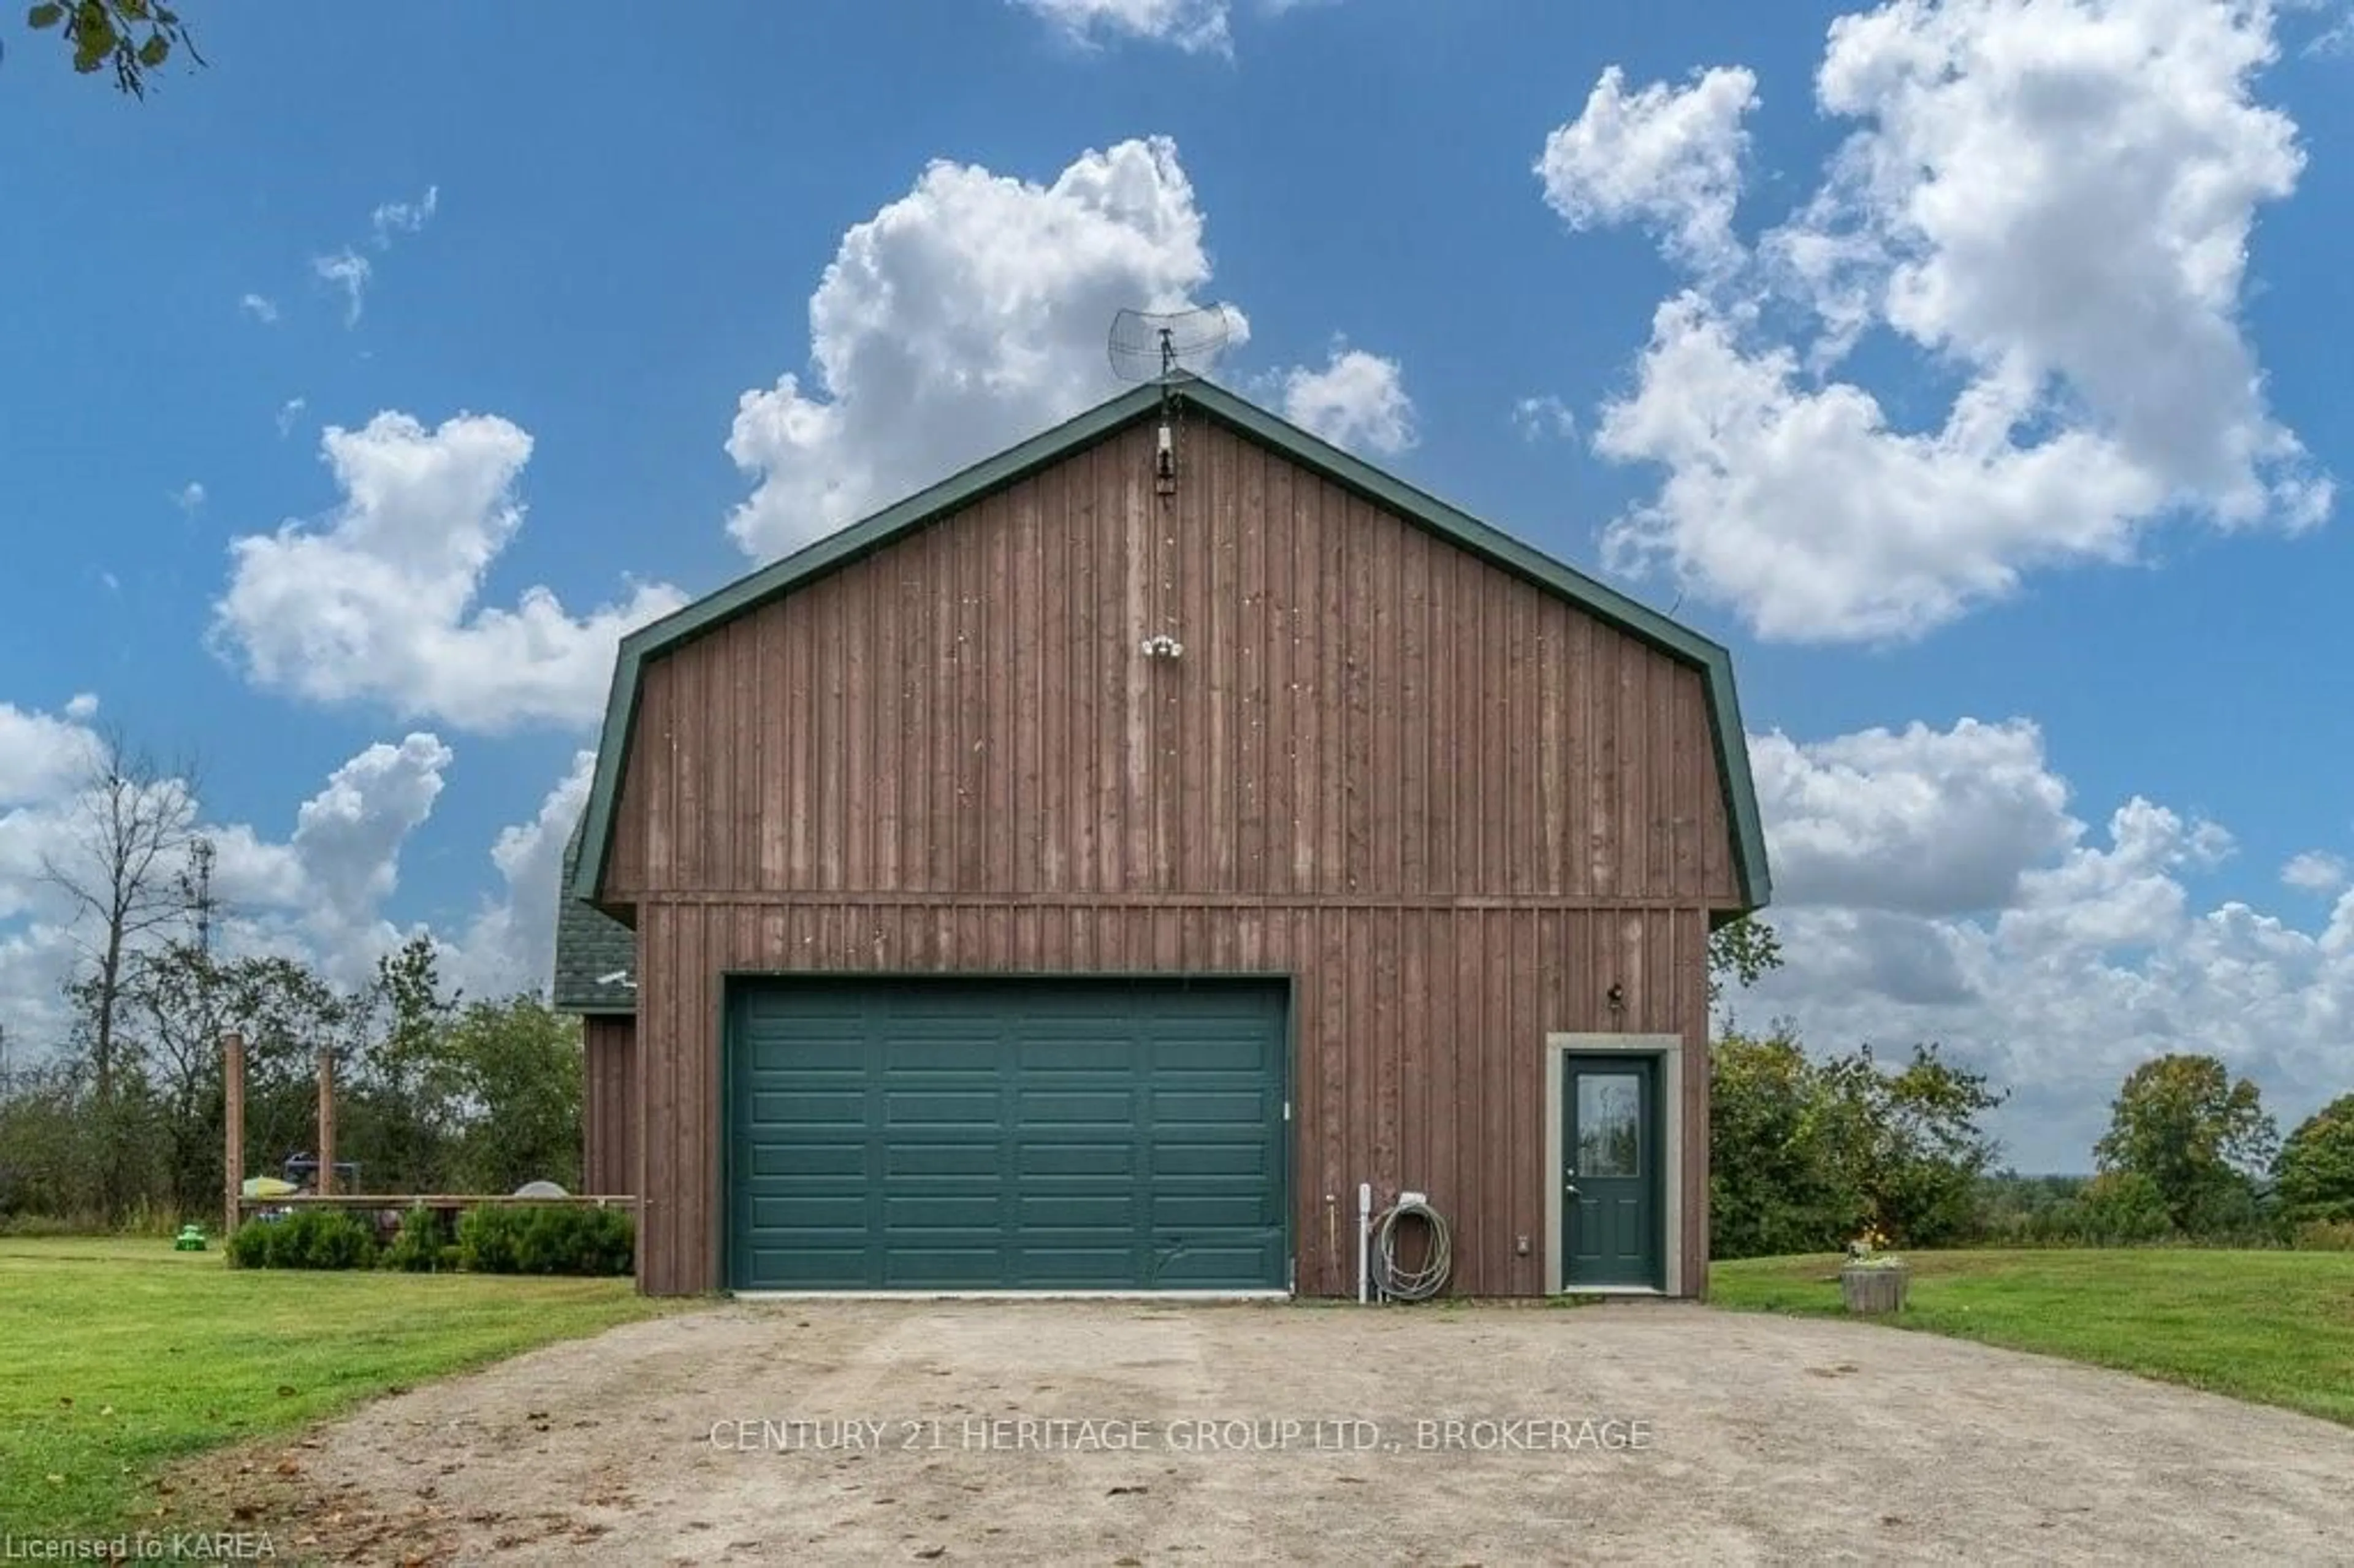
1668, 1050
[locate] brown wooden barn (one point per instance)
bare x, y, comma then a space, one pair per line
1082, 875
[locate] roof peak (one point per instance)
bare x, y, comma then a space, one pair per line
1090, 426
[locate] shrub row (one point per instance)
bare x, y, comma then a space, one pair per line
421, 1246
318, 1238
2324, 1236
545, 1239
539, 1238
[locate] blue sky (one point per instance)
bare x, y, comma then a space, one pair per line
2045, 708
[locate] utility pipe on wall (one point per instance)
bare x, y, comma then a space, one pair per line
1364, 1237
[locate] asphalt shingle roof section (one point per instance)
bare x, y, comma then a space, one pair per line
590, 946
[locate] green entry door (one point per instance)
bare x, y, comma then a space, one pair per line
1610, 1179
1006, 1134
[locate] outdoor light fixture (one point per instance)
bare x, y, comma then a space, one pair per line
1160, 645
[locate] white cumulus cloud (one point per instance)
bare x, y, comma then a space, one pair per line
971, 313
2049, 204
347, 837
379, 601
1802, 506
1356, 399
1666, 156
42, 754
315, 893
1936, 884
1195, 26
2317, 871
1191, 24
963, 317
1964, 813
510, 944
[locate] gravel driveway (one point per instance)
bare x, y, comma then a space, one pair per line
862, 1432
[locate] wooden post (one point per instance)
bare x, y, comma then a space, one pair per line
233, 1134
326, 1183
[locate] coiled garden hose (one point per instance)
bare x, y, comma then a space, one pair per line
1420, 1284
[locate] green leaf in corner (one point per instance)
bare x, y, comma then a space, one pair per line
93, 39
152, 52
47, 14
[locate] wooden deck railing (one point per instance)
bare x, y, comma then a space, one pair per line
406, 1200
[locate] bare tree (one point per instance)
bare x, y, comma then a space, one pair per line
123, 869
177, 992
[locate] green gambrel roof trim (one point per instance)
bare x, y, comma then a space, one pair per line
838, 549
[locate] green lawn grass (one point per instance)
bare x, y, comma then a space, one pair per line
119, 1355
2273, 1327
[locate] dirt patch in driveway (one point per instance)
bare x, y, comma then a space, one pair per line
862, 1432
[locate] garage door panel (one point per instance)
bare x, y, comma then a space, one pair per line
796, 1157
1075, 1267
828, 1214
1207, 1267
1196, 1157
1076, 1159
1188, 1107
1210, 1134
903, 1107
1186, 1213
971, 1135
957, 1214
964, 1049
1113, 1108
1196, 1053
1088, 1210
978, 1156
915, 1266
802, 1266
1048, 1049
806, 1107
812, 1050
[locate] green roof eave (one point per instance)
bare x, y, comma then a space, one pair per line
770, 582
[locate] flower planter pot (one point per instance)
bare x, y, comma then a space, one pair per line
1874, 1289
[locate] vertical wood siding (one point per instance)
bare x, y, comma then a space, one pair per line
1362, 708
1453, 807
609, 1096
1418, 1044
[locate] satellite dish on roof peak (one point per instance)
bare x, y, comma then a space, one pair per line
1160, 345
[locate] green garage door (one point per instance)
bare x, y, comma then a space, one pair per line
1013, 1135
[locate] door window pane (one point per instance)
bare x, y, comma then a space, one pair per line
1609, 1124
